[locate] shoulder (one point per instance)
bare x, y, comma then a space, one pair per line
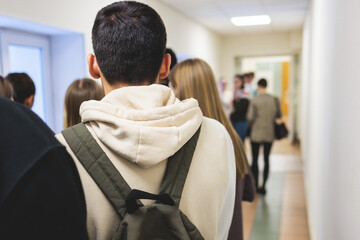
212, 129
209, 122
213, 173
215, 143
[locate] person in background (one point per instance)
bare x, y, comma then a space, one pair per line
24, 88
248, 87
240, 107
261, 116
165, 81
40, 190
79, 91
6, 89
193, 78
226, 96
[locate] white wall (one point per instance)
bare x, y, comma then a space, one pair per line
190, 38
331, 128
67, 53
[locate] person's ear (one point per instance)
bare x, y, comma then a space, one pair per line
94, 69
29, 101
165, 66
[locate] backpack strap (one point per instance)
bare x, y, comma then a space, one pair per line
98, 165
177, 169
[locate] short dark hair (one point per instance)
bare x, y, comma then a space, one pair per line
165, 81
129, 40
173, 57
249, 74
23, 86
262, 83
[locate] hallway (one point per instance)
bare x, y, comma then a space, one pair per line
281, 213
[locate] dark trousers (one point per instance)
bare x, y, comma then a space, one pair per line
255, 147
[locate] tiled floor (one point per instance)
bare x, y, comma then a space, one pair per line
281, 213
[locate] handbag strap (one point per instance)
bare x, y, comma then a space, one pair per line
277, 105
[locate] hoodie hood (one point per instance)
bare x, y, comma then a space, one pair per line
143, 124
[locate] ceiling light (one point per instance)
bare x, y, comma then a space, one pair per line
251, 20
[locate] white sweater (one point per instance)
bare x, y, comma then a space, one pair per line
139, 128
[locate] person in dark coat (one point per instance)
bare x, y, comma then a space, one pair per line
41, 196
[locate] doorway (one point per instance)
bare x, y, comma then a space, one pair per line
29, 53
281, 74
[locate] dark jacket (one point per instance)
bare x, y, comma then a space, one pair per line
240, 109
41, 196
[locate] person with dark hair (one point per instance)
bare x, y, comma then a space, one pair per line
40, 190
6, 89
140, 127
24, 88
262, 113
165, 81
240, 107
79, 91
262, 83
173, 57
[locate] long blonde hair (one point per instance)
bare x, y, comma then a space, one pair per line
79, 91
194, 78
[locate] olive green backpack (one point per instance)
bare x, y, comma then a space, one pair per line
160, 220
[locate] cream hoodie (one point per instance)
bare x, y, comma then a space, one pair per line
139, 128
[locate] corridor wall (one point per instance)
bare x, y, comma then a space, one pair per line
331, 116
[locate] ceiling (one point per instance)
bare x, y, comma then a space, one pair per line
285, 15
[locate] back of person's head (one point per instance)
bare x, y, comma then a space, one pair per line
193, 78
129, 40
24, 88
79, 91
6, 89
262, 83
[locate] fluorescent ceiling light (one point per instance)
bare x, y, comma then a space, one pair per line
251, 20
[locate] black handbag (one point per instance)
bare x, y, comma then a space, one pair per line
249, 191
280, 129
